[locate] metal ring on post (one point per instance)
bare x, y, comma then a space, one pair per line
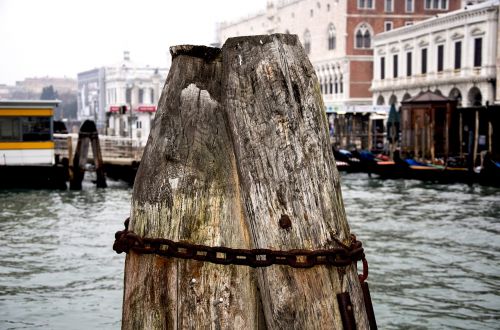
364, 276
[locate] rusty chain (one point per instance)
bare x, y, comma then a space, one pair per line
126, 241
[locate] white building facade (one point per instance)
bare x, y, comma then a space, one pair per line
321, 27
91, 96
122, 98
454, 54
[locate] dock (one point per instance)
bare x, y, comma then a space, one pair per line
120, 155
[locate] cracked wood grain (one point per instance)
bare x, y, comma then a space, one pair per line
187, 189
239, 156
279, 130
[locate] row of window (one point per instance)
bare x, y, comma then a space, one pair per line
311, 13
128, 95
477, 60
409, 5
332, 39
332, 87
363, 38
474, 96
111, 97
18, 129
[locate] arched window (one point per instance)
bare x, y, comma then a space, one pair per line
475, 97
341, 84
393, 100
363, 36
332, 37
406, 97
307, 42
359, 39
380, 100
456, 95
367, 39
331, 86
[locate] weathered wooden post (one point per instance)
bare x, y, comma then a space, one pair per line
280, 136
239, 157
187, 188
88, 135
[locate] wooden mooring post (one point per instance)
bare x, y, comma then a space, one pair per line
239, 156
88, 135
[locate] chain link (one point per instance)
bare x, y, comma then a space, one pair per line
126, 241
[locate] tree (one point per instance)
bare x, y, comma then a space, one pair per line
68, 107
48, 93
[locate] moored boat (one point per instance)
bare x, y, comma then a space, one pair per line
27, 157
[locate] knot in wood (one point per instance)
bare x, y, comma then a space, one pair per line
285, 222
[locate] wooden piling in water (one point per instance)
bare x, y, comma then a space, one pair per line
88, 135
240, 142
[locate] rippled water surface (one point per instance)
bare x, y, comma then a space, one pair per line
433, 250
58, 270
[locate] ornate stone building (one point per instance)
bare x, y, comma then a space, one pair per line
121, 98
338, 36
455, 54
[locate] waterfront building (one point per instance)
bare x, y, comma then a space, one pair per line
455, 56
121, 98
338, 37
5, 91
31, 88
91, 96
35, 85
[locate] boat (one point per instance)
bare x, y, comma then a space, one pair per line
348, 161
489, 172
27, 157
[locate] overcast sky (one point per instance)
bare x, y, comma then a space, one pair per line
63, 37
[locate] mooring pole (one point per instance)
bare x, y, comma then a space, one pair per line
99, 165
87, 135
239, 157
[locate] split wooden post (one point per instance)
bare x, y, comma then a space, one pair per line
240, 142
187, 188
88, 135
280, 136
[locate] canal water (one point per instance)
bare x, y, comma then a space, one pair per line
433, 250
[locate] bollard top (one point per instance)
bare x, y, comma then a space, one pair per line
88, 126
209, 54
257, 40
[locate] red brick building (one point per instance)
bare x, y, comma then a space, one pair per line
377, 16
